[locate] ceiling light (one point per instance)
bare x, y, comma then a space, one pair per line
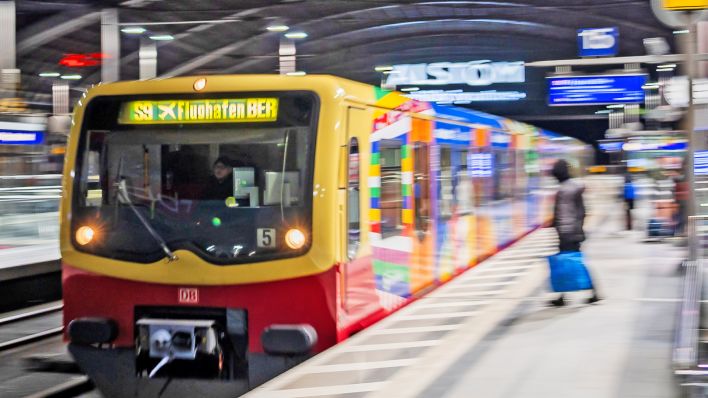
681, 32
49, 74
383, 68
199, 84
410, 89
277, 28
615, 106
667, 66
296, 73
162, 37
296, 35
71, 77
133, 30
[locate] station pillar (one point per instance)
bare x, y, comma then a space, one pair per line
9, 74
110, 45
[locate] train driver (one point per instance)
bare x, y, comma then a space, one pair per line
220, 184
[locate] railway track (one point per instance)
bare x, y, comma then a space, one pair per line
29, 326
37, 325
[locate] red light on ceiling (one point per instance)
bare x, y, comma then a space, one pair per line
82, 60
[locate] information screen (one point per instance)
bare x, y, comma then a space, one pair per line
182, 111
595, 90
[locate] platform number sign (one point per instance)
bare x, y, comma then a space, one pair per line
188, 295
602, 42
265, 238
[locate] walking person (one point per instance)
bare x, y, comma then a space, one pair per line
568, 218
628, 200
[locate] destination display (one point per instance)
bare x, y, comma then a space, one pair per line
221, 110
595, 90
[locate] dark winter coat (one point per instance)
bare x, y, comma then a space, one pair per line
569, 211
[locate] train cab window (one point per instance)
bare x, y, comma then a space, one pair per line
421, 187
229, 192
391, 203
353, 228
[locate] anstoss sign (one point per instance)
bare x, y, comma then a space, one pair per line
474, 73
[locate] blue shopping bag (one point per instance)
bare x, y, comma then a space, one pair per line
568, 272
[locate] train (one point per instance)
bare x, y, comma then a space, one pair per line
218, 230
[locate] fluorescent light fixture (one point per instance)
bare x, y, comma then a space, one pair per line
681, 32
383, 68
71, 77
603, 112
133, 30
615, 106
277, 28
666, 66
49, 74
410, 89
650, 86
296, 73
296, 35
162, 37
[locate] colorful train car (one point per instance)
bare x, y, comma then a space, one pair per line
217, 230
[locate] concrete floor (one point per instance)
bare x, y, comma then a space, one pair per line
620, 347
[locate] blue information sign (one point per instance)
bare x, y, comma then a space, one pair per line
602, 42
596, 90
20, 137
700, 163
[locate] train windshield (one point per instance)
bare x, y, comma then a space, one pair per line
226, 178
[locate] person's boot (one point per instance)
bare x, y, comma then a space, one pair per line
559, 302
594, 299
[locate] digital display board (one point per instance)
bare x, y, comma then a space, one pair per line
595, 90
179, 111
20, 137
700, 163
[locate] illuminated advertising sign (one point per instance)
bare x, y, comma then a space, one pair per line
473, 73
685, 4
222, 110
20, 137
601, 42
595, 90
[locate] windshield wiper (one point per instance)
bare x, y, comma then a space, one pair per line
123, 192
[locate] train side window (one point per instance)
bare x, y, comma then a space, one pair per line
391, 195
464, 187
446, 187
421, 187
354, 225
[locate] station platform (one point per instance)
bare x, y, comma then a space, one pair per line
490, 332
28, 261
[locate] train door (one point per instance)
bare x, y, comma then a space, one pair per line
357, 287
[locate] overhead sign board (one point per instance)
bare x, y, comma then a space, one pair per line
685, 4
223, 110
473, 73
20, 137
700, 163
602, 42
595, 90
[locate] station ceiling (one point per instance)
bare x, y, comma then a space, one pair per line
345, 38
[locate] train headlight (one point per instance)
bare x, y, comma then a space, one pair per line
84, 235
295, 239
